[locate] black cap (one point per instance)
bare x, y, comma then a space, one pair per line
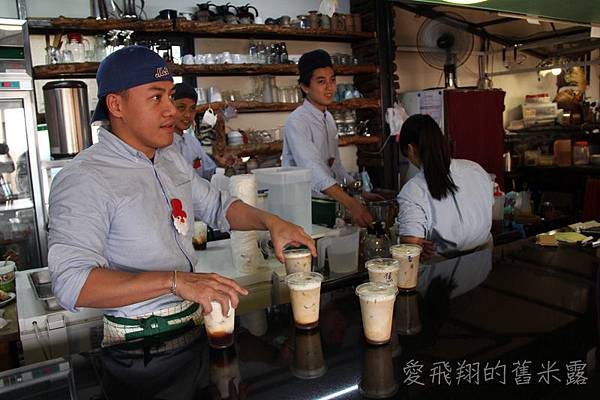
311, 61
185, 91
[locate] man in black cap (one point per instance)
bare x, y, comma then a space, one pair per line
121, 212
310, 139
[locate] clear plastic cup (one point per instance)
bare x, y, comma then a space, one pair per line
408, 255
297, 260
305, 296
219, 327
383, 270
377, 309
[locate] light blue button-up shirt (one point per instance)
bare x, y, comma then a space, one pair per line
191, 149
459, 222
310, 140
110, 207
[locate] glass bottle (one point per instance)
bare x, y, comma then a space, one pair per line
284, 53
261, 52
252, 52
377, 243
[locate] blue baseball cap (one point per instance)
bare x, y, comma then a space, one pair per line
126, 68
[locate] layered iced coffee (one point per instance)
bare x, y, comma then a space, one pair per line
297, 260
383, 270
305, 296
408, 255
377, 309
219, 327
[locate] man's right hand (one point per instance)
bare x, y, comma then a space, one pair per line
203, 288
360, 215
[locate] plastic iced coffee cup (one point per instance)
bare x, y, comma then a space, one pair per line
383, 270
408, 255
297, 260
377, 309
219, 327
305, 296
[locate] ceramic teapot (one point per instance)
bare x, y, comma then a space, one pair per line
244, 14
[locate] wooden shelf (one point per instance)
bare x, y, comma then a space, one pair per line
265, 69
91, 25
358, 140
256, 106
88, 69
247, 150
66, 70
195, 28
211, 29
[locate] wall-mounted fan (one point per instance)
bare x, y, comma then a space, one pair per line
444, 47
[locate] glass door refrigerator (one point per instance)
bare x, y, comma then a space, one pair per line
22, 225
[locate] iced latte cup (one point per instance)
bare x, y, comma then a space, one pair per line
305, 296
383, 270
219, 327
408, 255
377, 309
297, 260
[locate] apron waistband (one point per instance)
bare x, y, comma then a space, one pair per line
119, 329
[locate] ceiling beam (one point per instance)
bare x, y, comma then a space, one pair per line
494, 22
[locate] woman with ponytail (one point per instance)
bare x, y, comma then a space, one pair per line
447, 207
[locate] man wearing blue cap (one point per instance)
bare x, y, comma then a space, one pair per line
121, 213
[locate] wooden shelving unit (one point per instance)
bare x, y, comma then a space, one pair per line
181, 28
276, 147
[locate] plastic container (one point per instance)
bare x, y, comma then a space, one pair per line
342, 251
539, 113
289, 193
581, 153
562, 152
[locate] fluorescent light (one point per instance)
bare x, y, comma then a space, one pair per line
464, 1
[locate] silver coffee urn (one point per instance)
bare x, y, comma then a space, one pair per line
68, 117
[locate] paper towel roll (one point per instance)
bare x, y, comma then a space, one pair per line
244, 188
244, 245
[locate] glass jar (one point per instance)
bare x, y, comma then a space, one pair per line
581, 153
377, 243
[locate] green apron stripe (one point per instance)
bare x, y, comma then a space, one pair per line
140, 322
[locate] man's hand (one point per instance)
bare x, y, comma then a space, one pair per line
204, 288
427, 245
360, 215
284, 233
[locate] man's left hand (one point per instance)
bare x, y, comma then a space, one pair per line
284, 233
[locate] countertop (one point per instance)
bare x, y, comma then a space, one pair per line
513, 309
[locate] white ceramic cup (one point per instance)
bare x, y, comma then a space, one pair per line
209, 118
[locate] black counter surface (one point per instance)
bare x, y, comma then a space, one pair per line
515, 322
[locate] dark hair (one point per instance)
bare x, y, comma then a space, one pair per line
311, 61
433, 149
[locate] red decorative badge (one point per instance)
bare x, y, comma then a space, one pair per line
179, 217
197, 163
